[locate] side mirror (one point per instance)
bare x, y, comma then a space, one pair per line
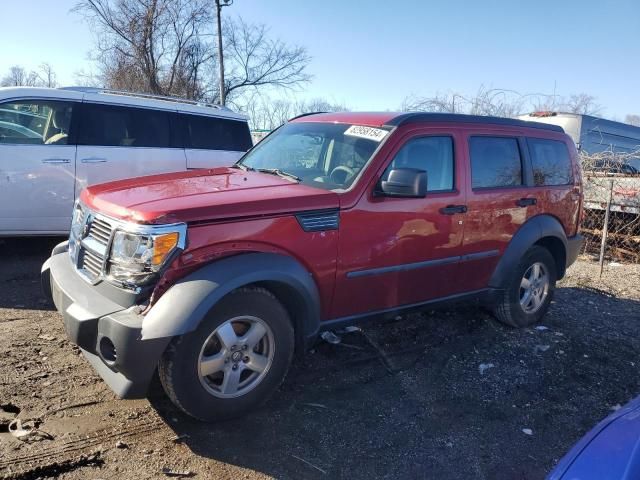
405, 182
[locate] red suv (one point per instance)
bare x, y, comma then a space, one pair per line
215, 278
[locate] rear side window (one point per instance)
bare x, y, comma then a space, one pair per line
211, 133
115, 126
431, 154
495, 162
550, 161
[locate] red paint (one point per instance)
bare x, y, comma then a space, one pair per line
381, 231
204, 195
231, 212
369, 119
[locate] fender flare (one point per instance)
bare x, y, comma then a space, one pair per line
181, 309
527, 235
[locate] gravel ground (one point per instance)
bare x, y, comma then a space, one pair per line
445, 394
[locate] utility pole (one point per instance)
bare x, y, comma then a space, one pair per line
219, 5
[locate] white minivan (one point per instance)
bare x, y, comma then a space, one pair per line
55, 142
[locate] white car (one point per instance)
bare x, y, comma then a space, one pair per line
55, 142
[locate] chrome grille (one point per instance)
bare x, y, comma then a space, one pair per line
89, 243
100, 230
90, 264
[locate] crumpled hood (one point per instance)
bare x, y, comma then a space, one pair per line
201, 195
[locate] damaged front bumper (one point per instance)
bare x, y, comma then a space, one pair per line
105, 323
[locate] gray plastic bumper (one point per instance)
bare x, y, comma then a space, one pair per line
574, 245
107, 331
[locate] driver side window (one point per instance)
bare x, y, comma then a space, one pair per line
431, 154
35, 122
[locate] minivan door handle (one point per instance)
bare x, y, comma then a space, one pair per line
453, 209
94, 160
56, 160
526, 202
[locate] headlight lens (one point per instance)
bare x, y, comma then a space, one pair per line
75, 234
135, 258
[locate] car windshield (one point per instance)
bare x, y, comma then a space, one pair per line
324, 155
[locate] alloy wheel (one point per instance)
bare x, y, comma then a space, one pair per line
534, 288
236, 357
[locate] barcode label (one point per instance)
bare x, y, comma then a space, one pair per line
370, 133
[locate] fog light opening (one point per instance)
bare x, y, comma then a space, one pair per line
107, 350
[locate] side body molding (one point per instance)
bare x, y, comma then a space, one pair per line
181, 309
533, 230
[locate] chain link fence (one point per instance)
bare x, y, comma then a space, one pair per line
612, 204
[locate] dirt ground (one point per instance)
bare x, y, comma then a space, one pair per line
445, 394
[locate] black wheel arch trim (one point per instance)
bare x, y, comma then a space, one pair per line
181, 309
531, 232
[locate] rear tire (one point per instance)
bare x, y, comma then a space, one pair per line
236, 358
529, 290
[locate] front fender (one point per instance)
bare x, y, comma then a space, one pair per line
181, 309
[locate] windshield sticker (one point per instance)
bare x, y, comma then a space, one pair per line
376, 134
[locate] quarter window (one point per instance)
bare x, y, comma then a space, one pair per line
431, 154
35, 122
116, 126
551, 162
495, 162
212, 133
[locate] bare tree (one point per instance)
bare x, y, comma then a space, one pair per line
19, 77
502, 103
47, 76
440, 103
584, 104
580, 103
486, 101
266, 113
254, 60
151, 45
632, 120
163, 47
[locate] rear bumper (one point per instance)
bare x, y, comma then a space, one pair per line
108, 332
574, 245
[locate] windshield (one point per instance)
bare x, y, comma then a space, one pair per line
324, 155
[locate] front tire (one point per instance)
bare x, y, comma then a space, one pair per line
529, 290
236, 358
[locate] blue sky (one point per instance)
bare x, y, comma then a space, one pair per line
371, 54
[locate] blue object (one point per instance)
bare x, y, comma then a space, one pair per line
610, 451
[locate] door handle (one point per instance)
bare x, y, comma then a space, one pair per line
453, 209
55, 160
526, 202
94, 160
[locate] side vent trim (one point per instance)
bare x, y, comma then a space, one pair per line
319, 220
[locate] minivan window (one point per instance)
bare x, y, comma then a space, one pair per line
35, 122
431, 154
495, 162
117, 126
212, 133
550, 161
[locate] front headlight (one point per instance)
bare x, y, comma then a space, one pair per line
135, 258
75, 234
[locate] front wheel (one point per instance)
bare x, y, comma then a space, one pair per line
235, 359
529, 290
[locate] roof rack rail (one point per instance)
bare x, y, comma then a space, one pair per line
405, 118
149, 96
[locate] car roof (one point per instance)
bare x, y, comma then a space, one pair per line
396, 119
116, 97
